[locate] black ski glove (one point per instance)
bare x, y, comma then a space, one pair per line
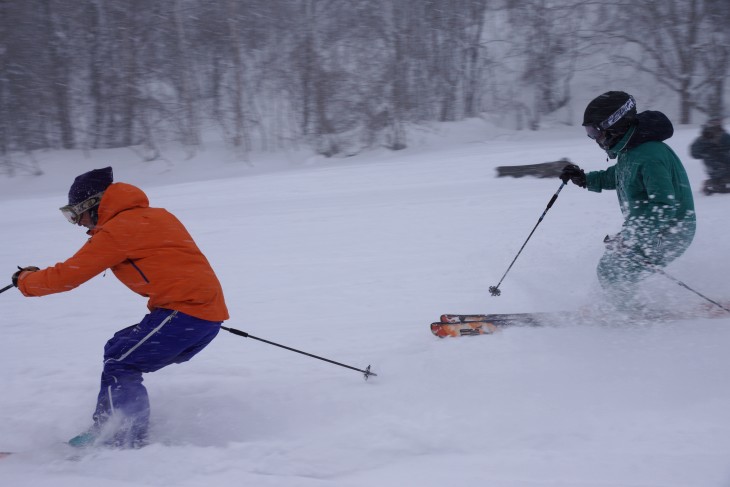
571, 172
20, 271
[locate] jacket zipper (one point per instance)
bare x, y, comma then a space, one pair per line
139, 270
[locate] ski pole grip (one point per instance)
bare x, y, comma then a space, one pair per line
555, 197
552, 200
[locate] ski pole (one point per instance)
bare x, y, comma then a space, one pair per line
6, 288
661, 271
367, 371
494, 290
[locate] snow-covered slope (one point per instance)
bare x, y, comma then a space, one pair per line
352, 259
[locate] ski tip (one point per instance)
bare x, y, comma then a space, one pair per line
438, 330
4, 454
460, 329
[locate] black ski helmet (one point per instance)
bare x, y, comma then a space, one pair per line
611, 114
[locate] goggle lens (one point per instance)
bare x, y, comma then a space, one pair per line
593, 132
73, 212
70, 214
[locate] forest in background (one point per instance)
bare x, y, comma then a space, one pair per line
338, 76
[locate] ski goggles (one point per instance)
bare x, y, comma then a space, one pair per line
73, 212
597, 130
593, 132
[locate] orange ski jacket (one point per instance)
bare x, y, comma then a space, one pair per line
148, 249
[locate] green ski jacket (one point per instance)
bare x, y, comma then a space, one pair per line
652, 188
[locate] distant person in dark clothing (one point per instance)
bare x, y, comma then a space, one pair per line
713, 147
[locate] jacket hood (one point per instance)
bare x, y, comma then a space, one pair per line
650, 126
120, 197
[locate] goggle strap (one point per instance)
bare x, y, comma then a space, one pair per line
618, 114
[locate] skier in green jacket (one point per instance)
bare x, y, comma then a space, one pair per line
652, 187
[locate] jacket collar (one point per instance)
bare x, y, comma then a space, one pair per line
622, 144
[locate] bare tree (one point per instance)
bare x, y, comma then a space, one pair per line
388, 110
545, 37
59, 69
475, 57
185, 79
4, 84
237, 88
668, 46
95, 22
337, 75
715, 57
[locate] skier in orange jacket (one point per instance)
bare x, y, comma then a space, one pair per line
152, 253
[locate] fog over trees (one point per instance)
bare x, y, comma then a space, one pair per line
338, 76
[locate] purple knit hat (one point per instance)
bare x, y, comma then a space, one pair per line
88, 184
